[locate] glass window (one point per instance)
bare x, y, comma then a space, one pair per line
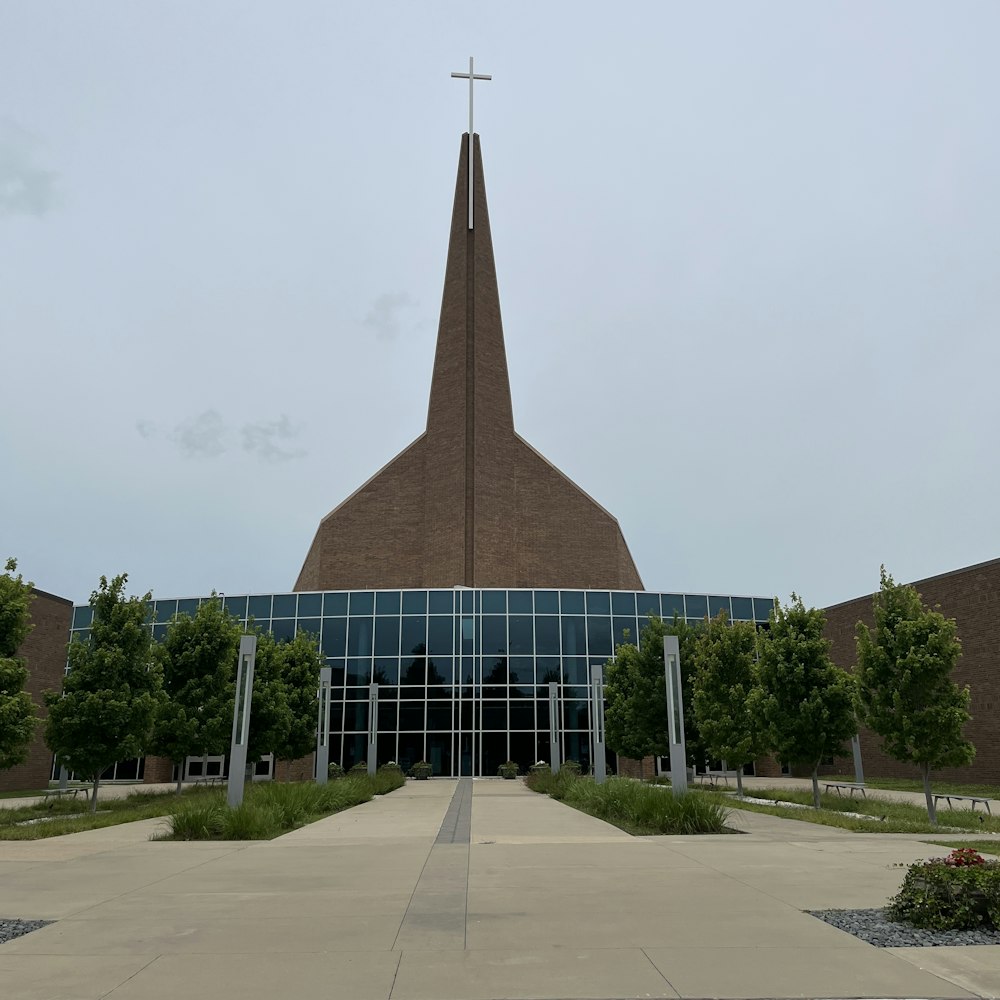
598, 603
542, 712
743, 609
467, 602
697, 606
284, 606
522, 670
259, 607
188, 606
439, 671
386, 671
309, 626
334, 636
310, 605
441, 602
440, 638
572, 602
762, 608
414, 638
649, 604
574, 635
336, 712
576, 715
468, 627
575, 670
386, 636
519, 602
599, 636
547, 669
165, 610
362, 602
414, 671
356, 716
672, 604
359, 671
359, 637
236, 606
546, 602
414, 602
620, 626
387, 715
83, 616
521, 637
411, 716
717, 604
439, 715
623, 604
494, 714
387, 602
335, 604
522, 714
338, 670
547, 635
283, 629
494, 634
494, 602
159, 631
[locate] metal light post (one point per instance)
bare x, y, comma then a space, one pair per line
675, 714
555, 756
599, 757
859, 771
372, 728
241, 719
323, 726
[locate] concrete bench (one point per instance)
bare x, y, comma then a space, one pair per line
963, 798
852, 786
55, 793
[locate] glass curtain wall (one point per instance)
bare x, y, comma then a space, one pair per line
463, 675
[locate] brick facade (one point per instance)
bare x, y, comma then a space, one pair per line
470, 502
972, 597
44, 652
301, 769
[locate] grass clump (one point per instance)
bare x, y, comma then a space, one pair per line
634, 806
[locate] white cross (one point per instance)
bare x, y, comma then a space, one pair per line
471, 76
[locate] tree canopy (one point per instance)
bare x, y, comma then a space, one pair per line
18, 717
299, 663
112, 690
725, 680
197, 658
905, 690
805, 701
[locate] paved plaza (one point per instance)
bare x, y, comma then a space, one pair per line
471, 890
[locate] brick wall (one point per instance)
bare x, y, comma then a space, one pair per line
629, 768
45, 654
972, 597
295, 770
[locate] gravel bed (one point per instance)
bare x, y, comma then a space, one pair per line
14, 928
876, 928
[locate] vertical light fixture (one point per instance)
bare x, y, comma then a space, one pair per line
675, 714
555, 755
241, 720
599, 756
372, 728
323, 726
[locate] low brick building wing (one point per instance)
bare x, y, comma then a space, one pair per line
44, 653
972, 597
470, 502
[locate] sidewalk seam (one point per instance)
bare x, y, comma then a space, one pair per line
659, 973
155, 958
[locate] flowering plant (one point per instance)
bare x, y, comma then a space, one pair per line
964, 857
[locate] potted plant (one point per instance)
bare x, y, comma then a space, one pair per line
391, 765
334, 771
421, 770
360, 768
572, 766
509, 770
539, 765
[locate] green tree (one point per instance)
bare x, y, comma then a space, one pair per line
635, 717
904, 686
725, 680
18, 717
299, 664
270, 713
197, 658
805, 701
112, 689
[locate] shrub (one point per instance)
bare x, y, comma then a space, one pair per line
508, 770
201, 822
573, 766
960, 892
334, 771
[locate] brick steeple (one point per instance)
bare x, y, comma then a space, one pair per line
469, 503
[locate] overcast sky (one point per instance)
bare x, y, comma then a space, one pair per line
748, 261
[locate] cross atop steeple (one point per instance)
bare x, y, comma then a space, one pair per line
471, 76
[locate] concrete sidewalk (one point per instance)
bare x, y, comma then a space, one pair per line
451, 890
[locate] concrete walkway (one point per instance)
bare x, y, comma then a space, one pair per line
465, 890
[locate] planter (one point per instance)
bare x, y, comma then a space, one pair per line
421, 771
509, 771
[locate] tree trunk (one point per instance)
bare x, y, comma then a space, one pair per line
93, 794
815, 781
739, 781
931, 811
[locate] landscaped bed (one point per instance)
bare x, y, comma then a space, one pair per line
266, 811
632, 806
